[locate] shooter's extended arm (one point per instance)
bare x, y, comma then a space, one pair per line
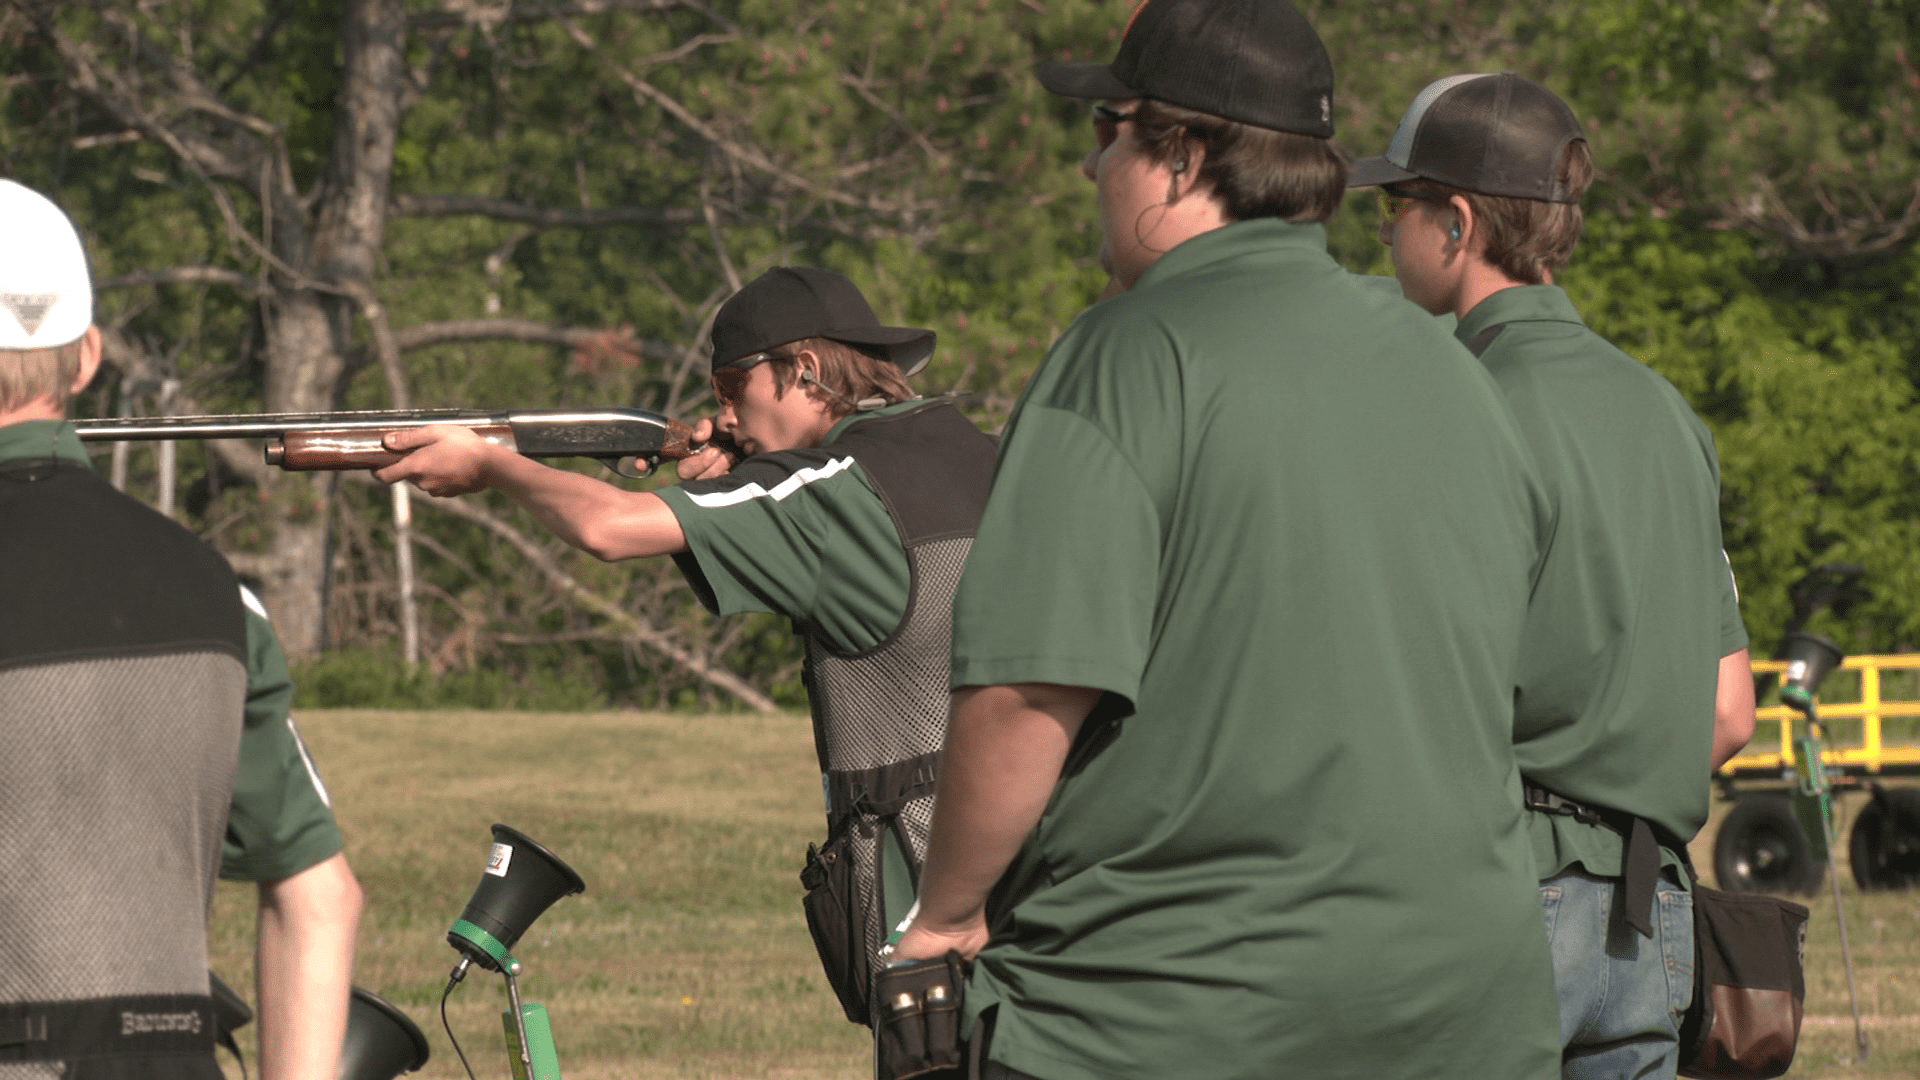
352, 440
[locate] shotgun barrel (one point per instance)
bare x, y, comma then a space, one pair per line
302, 442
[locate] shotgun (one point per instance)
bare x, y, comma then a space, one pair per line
306, 442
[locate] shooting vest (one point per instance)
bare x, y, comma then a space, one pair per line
122, 693
880, 716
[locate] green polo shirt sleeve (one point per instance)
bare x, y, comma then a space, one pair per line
1092, 623
799, 533
1078, 608
281, 821
1733, 628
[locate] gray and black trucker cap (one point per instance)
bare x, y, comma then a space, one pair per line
788, 303
1254, 61
1495, 134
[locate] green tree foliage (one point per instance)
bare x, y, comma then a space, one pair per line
605, 172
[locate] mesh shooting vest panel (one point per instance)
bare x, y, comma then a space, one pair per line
880, 716
122, 693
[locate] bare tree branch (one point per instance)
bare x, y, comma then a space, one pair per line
181, 275
1767, 211
385, 347
112, 92
440, 333
719, 242
241, 456
860, 86
746, 155
454, 14
526, 213
637, 629
88, 142
692, 44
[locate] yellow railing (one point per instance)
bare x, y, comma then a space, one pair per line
1871, 754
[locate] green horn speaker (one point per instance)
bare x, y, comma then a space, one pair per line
381, 1041
1809, 658
522, 880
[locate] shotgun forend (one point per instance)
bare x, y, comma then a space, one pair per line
352, 440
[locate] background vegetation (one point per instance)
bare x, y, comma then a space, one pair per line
303, 204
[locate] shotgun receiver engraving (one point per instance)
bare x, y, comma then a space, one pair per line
301, 442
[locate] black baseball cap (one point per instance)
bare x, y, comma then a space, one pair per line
1494, 134
1253, 61
788, 303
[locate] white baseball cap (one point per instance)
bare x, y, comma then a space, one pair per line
46, 298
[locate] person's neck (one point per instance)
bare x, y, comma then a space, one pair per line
1192, 216
42, 409
1481, 280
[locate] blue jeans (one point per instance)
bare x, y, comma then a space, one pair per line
1621, 995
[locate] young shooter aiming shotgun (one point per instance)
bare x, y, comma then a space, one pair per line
852, 514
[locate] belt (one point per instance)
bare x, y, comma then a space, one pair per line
106, 1027
1639, 862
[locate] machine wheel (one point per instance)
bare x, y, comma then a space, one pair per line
1760, 848
1883, 853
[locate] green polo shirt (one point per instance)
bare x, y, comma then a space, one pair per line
800, 533
279, 823
1283, 520
1636, 606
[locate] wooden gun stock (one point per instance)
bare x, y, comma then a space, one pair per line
322, 451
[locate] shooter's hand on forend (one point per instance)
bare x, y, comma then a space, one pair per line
441, 459
714, 458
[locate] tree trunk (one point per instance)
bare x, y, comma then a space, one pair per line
310, 330
303, 374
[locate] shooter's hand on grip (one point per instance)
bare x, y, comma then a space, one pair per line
714, 458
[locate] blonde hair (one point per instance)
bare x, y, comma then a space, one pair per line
30, 375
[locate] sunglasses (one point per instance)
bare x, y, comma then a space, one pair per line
731, 381
1107, 121
1396, 201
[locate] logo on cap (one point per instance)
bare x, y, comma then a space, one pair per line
29, 308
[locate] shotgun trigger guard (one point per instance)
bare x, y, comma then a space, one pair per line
643, 467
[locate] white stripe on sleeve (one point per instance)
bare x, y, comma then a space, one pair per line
307, 760
784, 488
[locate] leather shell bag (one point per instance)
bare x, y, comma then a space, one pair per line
1748, 986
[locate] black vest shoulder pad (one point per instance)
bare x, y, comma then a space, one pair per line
931, 466
87, 571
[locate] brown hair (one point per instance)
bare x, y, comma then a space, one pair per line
30, 375
1526, 239
1255, 172
857, 372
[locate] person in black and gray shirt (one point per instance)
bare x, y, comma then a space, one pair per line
143, 705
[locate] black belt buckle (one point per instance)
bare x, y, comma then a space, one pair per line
1546, 802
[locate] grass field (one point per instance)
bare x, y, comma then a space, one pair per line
687, 956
